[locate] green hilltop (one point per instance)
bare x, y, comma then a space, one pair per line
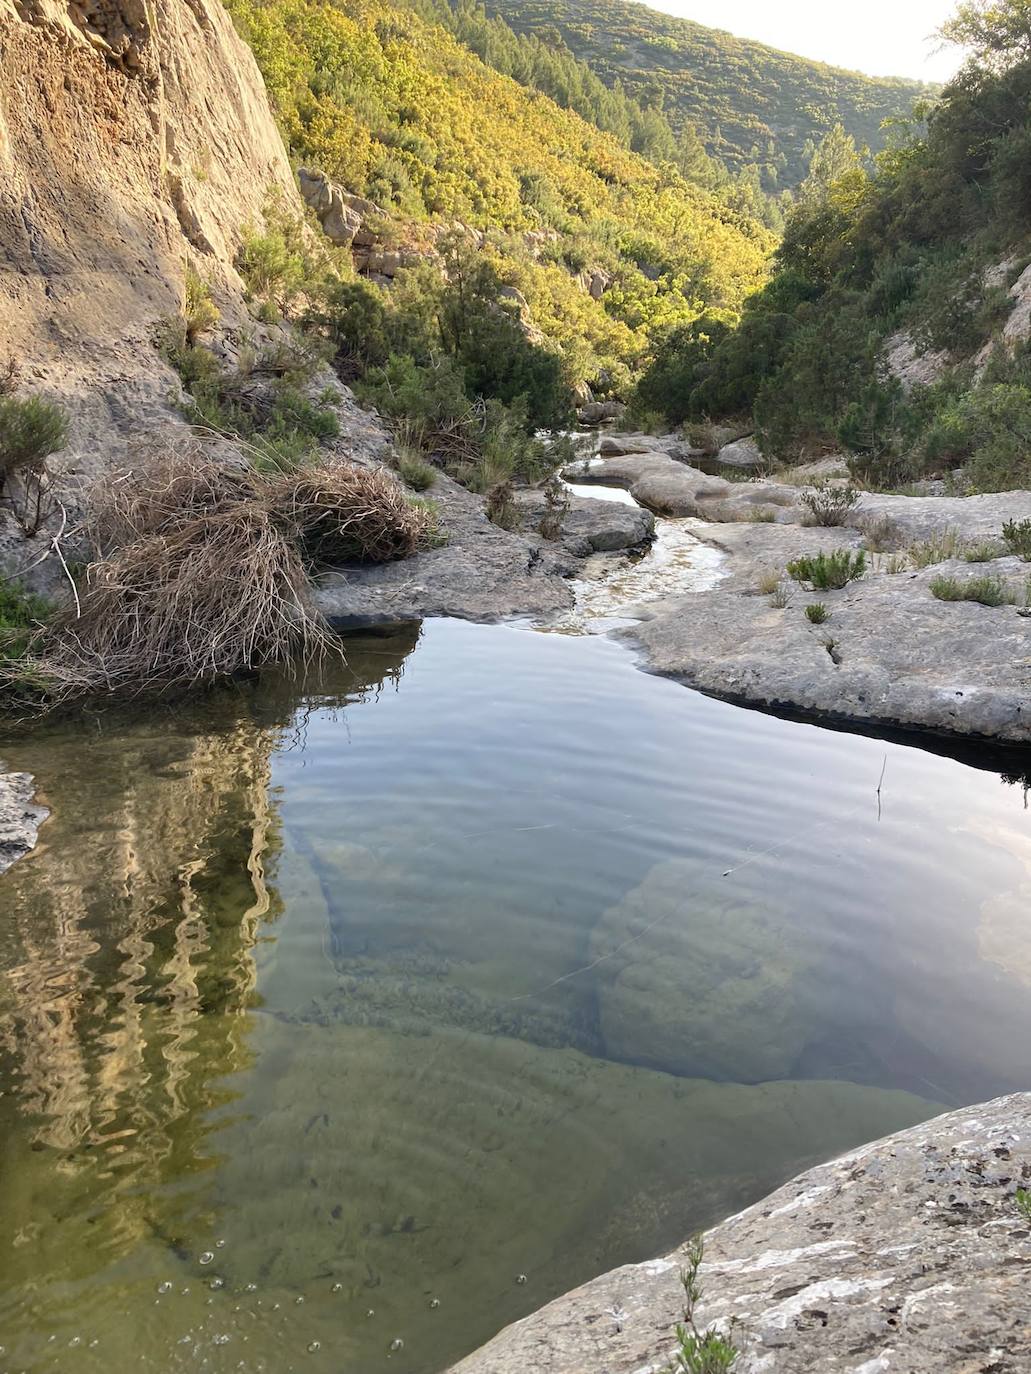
750, 104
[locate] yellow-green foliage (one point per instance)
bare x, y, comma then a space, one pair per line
396, 108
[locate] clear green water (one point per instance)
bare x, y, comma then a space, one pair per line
291, 1028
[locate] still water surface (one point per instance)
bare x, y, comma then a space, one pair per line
387, 1008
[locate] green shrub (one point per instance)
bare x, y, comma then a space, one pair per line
416, 472
829, 505
817, 613
200, 313
699, 1351
1017, 534
989, 591
21, 614
828, 571
30, 430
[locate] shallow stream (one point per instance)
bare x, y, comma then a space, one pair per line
384, 1008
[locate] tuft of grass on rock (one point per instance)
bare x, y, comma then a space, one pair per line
985, 552
817, 613
987, 590
415, 471
937, 548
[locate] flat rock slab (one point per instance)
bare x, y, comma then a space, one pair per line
890, 653
909, 1256
20, 817
481, 573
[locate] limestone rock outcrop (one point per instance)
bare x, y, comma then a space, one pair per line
136, 139
909, 1256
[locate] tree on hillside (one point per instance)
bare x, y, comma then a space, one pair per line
833, 159
997, 32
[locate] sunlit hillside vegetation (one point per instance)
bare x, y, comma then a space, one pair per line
925, 247
396, 108
751, 104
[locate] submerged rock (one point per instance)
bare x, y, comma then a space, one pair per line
20, 817
717, 991
909, 1256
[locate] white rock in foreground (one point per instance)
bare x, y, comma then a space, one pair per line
909, 1256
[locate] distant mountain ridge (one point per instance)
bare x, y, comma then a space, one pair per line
750, 104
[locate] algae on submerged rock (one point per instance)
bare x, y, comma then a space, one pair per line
721, 988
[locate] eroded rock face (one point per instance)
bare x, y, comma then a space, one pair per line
134, 138
909, 1256
20, 817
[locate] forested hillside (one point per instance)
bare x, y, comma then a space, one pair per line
395, 108
749, 103
897, 321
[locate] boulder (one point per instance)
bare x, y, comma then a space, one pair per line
719, 990
599, 283
339, 219
589, 526
597, 412
742, 453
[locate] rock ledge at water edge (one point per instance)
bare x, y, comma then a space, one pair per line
908, 1256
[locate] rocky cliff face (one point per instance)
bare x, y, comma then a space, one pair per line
136, 137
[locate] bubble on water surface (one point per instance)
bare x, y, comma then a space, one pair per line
520, 1278
217, 1283
337, 1288
434, 1302
222, 1340
251, 1288
165, 1287
297, 1301
207, 1257
397, 1344
219, 1244
313, 1346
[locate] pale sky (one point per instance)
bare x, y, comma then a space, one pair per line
881, 37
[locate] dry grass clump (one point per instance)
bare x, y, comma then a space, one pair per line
348, 515
203, 572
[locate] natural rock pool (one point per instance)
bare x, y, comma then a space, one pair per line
385, 1009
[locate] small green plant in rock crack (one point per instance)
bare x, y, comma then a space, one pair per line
699, 1352
817, 613
781, 596
828, 571
1024, 1203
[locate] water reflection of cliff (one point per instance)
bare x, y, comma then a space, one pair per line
127, 941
